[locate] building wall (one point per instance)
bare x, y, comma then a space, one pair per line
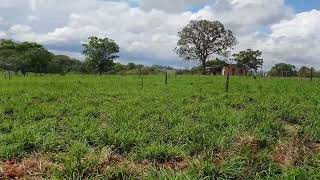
233, 70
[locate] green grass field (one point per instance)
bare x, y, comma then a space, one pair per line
109, 127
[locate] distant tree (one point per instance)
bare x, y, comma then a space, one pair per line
216, 63
249, 60
61, 64
7, 48
32, 57
9, 55
160, 67
140, 66
63, 60
118, 67
304, 71
200, 40
100, 53
16, 56
283, 69
216, 66
131, 66
86, 68
39, 59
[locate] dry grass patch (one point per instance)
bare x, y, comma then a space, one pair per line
294, 152
33, 167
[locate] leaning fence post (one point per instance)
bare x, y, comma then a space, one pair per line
227, 82
142, 83
166, 77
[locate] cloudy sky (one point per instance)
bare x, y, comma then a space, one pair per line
146, 30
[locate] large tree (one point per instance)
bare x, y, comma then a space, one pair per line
101, 53
201, 40
249, 60
23, 56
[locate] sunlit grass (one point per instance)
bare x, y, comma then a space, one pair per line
189, 128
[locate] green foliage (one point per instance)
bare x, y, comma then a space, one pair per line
202, 39
101, 53
27, 57
217, 63
38, 59
306, 72
284, 70
249, 59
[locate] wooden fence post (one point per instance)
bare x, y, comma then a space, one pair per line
142, 83
166, 77
227, 82
311, 75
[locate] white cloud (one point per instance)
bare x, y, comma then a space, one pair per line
248, 15
6, 3
19, 29
76, 55
33, 18
22, 32
2, 35
297, 40
171, 5
149, 31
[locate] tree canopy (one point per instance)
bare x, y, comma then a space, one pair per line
304, 71
101, 53
24, 56
200, 40
249, 60
32, 57
216, 63
283, 69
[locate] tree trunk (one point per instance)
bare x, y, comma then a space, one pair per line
204, 65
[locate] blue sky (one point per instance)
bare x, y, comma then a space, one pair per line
303, 5
146, 30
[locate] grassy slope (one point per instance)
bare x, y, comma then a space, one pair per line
96, 127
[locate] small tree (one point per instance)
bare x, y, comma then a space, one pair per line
200, 40
100, 53
249, 60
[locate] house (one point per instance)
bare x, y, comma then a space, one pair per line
233, 70
213, 71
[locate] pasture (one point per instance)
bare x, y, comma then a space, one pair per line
97, 127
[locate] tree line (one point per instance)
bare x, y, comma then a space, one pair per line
207, 42
289, 70
30, 57
27, 57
